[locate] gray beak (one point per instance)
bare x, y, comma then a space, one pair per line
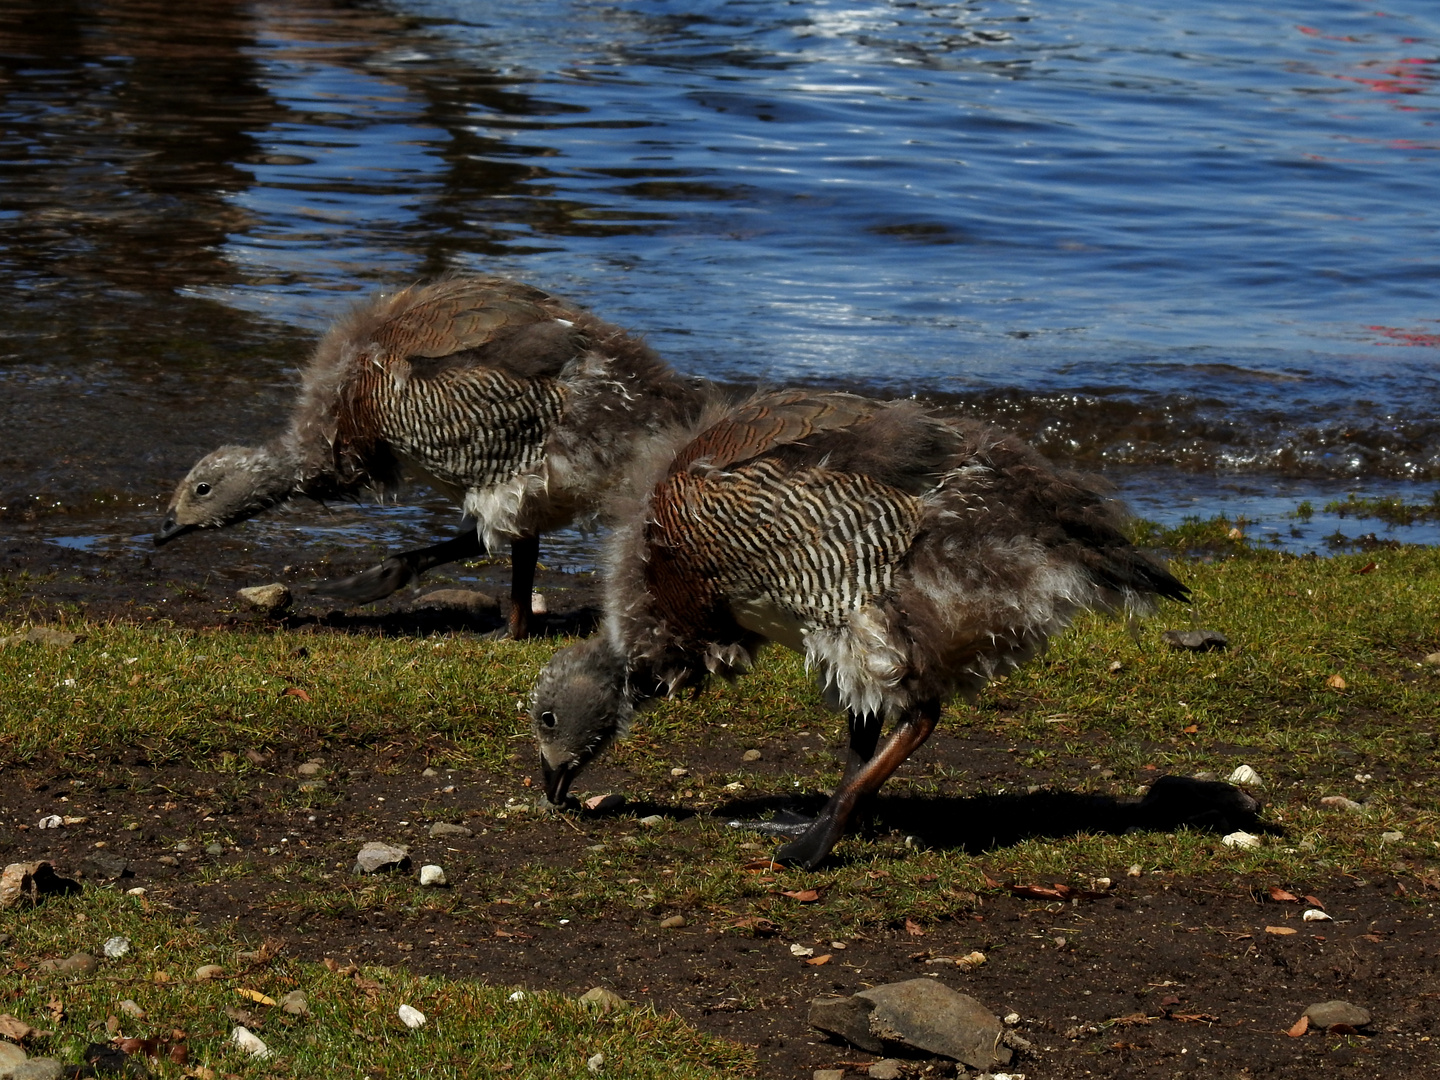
557, 781
169, 530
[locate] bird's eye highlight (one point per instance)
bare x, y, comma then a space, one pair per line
202, 489
547, 719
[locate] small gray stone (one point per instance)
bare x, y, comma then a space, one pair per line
266, 598
429, 772
432, 876
674, 922
828, 1074
1340, 802
168, 860
467, 601
1327, 1014
310, 768
295, 1003
131, 1008
886, 1069
445, 828
37, 1069
651, 820
928, 1015
375, 857
79, 964
1195, 640
603, 999
313, 784
10, 1056
206, 972
750, 755
104, 866
214, 849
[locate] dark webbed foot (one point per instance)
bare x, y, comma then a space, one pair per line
809, 849
374, 584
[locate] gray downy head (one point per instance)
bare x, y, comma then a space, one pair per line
580, 704
230, 485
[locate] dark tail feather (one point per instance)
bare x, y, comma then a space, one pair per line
1126, 569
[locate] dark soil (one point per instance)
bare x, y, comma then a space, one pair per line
1161, 977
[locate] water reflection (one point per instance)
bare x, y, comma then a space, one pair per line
1108, 227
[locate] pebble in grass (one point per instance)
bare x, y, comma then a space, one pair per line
432, 876
376, 857
37, 1069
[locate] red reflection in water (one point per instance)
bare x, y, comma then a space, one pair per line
1406, 337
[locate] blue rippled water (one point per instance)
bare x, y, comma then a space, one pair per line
1191, 245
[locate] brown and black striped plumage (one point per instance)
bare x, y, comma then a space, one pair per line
523, 407
909, 556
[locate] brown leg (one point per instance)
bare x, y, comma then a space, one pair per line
863, 777
524, 554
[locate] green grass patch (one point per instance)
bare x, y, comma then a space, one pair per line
353, 1027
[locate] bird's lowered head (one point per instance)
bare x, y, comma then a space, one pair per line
229, 485
580, 705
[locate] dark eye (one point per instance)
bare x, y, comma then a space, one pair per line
548, 719
202, 489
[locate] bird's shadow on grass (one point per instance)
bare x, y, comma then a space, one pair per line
428, 621
979, 823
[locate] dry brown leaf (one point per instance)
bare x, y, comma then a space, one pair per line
295, 691
1279, 895
255, 996
1194, 1018
1133, 1018
914, 929
1367, 568
816, 961
1190, 729
13, 1028
1300, 1027
1281, 930
755, 866
804, 896
1314, 901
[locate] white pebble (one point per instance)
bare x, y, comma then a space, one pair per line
1316, 915
50, 821
1244, 840
801, 950
1247, 776
518, 995
596, 1063
432, 875
251, 1043
1392, 837
139, 890
652, 820
117, 947
411, 1018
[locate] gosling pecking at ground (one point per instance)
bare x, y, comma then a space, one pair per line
909, 556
